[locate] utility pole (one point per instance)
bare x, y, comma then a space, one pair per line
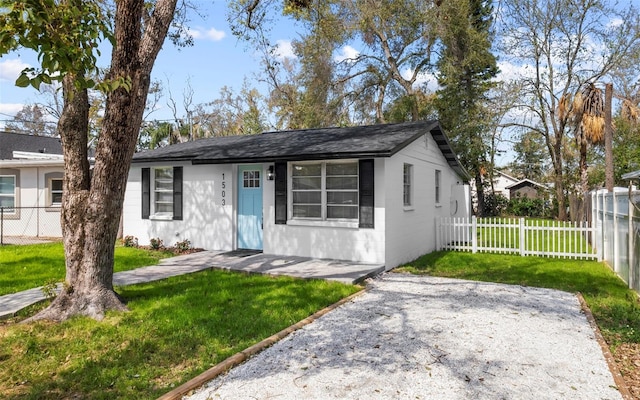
608, 137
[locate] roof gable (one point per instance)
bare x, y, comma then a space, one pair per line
382, 140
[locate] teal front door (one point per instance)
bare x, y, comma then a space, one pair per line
250, 207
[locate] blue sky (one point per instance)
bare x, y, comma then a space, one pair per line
216, 59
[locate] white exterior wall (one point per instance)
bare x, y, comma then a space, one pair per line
206, 223
41, 220
320, 239
411, 231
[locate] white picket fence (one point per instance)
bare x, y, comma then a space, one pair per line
517, 236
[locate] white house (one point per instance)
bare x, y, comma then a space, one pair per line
31, 171
368, 194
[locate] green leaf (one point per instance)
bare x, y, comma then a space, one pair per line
23, 80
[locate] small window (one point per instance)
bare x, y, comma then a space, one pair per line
407, 178
438, 182
8, 192
163, 191
251, 179
55, 192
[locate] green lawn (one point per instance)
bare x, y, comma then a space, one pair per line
614, 306
26, 267
541, 236
176, 329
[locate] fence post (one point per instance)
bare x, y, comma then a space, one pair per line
1, 226
616, 260
438, 233
474, 234
630, 258
522, 236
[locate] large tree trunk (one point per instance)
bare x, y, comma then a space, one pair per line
92, 206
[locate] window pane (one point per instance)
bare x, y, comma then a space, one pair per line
7, 201
341, 182
307, 211
342, 212
56, 184
342, 169
342, 198
164, 208
307, 197
307, 183
163, 173
7, 185
56, 198
307, 170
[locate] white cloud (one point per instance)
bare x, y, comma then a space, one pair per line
616, 22
510, 71
10, 69
211, 34
346, 53
284, 49
423, 78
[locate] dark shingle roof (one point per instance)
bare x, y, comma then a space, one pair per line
10, 142
309, 144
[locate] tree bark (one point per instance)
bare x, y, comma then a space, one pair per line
92, 207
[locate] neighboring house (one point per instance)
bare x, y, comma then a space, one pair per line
31, 171
501, 183
368, 194
529, 189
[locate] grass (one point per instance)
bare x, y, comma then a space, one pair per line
541, 235
614, 306
27, 267
176, 329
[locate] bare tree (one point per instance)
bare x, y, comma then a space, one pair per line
561, 45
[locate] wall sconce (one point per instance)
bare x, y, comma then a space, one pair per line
270, 174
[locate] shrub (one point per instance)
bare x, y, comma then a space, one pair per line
49, 289
156, 243
495, 204
130, 241
183, 245
526, 207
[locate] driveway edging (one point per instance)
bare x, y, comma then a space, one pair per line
621, 385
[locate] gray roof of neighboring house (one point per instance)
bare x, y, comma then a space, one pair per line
308, 144
10, 142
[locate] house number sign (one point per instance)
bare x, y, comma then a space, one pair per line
223, 194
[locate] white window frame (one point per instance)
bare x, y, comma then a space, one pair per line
14, 195
323, 193
52, 192
407, 186
438, 186
156, 192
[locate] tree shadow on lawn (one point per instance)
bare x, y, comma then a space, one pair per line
176, 329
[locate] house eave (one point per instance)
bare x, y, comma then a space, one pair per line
31, 163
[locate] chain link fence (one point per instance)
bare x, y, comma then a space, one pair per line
29, 225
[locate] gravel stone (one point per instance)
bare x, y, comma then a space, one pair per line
418, 337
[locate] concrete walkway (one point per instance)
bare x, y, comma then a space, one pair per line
309, 268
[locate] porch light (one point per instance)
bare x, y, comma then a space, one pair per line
270, 174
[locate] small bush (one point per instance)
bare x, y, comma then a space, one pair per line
130, 241
49, 289
156, 243
182, 246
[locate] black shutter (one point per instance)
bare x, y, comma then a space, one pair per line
366, 193
281, 192
146, 192
177, 193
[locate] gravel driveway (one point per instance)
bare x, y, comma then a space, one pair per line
412, 337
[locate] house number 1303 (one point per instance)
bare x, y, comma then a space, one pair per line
224, 187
